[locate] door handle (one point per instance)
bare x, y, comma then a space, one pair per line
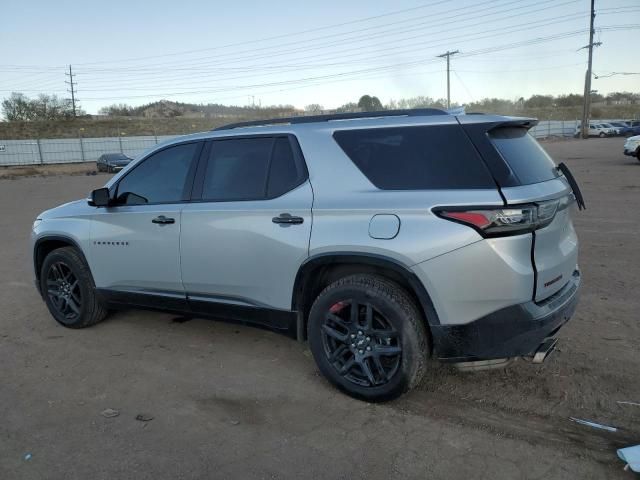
162, 220
286, 219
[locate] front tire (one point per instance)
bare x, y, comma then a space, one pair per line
68, 289
602, 135
368, 337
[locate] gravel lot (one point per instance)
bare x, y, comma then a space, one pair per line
230, 401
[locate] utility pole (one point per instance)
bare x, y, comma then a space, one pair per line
587, 80
448, 56
72, 90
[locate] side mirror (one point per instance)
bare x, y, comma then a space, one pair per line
100, 198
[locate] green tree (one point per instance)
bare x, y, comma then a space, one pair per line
368, 103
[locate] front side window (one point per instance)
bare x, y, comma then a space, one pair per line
250, 169
158, 179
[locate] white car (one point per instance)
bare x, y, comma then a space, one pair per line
598, 130
632, 147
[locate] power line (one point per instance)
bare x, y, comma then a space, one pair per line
613, 74
463, 84
324, 78
393, 51
284, 49
344, 23
264, 39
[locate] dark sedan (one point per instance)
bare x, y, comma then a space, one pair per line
112, 162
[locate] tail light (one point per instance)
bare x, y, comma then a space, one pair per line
503, 221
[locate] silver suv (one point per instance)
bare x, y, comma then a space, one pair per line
381, 238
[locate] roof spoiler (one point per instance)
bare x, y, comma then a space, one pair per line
490, 122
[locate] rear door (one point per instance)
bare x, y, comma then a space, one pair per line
535, 179
247, 230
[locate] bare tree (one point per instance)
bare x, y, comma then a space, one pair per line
314, 108
18, 107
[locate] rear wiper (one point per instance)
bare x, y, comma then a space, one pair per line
562, 168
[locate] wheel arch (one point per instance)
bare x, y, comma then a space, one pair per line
47, 244
320, 270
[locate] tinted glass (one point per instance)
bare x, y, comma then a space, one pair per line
416, 158
158, 179
284, 174
237, 169
526, 158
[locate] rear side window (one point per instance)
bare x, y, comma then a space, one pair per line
526, 158
250, 169
284, 173
416, 158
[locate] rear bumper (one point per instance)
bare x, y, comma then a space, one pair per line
514, 331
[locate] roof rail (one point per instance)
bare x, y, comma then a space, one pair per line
416, 112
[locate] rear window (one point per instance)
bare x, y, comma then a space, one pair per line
524, 155
416, 158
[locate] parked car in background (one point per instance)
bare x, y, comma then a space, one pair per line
632, 147
112, 162
597, 130
634, 125
624, 128
617, 129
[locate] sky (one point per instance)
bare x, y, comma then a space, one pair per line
301, 53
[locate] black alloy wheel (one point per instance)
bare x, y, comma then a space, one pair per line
368, 337
360, 343
68, 289
63, 289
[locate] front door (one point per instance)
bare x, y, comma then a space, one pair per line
135, 244
243, 242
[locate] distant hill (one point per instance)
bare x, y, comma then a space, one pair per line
169, 109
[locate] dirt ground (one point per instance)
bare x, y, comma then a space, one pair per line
11, 173
231, 401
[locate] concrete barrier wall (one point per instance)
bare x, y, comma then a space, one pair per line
71, 150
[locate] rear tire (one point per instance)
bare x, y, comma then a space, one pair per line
368, 337
602, 135
68, 289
